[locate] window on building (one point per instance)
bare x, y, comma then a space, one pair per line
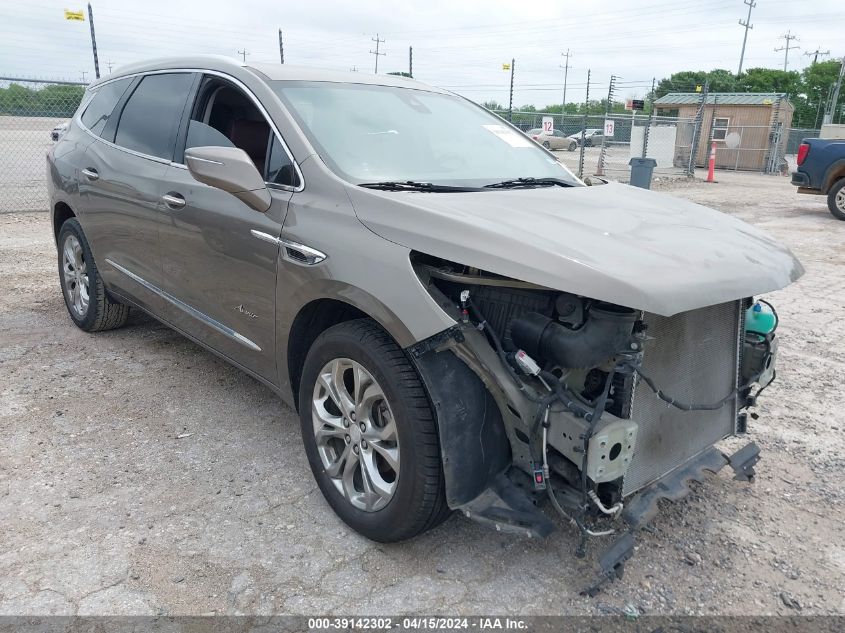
720, 128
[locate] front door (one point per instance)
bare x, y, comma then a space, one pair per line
219, 256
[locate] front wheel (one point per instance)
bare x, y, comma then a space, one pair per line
572, 146
88, 303
836, 200
547, 145
370, 434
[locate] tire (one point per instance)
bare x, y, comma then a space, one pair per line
547, 145
89, 305
836, 200
572, 146
413, 498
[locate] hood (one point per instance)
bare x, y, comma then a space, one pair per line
612, 242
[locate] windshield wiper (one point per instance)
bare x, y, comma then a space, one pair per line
413, 185
529, 182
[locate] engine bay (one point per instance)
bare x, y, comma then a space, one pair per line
582, 384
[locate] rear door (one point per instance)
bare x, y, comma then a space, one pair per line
219, 256
121, 185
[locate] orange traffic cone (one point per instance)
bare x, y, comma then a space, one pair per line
711, 168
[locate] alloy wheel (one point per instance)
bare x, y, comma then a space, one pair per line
840, 199
355, 434
75, 273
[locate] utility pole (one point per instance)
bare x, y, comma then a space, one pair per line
815, 54
747, 24
788, 37
83, 76
109, 64
831, 111
93, 40
376, 52
510, 100
565, 78
281, 48
411, 61
354, 69
244, 52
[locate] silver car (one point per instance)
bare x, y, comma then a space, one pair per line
458, 329
555, 140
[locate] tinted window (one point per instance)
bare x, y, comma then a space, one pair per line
97, 113
280, 169
202, 135
151, 117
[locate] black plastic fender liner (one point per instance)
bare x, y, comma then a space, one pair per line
473, 443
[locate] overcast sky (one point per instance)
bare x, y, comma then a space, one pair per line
458, 44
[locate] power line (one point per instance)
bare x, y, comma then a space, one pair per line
376, 52
747, 24
788, 37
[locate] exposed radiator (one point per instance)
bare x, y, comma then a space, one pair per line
694, 357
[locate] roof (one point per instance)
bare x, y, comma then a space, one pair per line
721, 98
266, 71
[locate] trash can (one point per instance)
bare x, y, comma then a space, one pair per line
641, 170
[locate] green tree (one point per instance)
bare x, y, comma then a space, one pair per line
816, 83
401, 74
720, 80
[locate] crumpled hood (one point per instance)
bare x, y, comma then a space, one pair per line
611, 242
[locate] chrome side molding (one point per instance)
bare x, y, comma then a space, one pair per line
225, 330
292, 251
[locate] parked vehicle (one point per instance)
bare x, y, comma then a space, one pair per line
58, 130
592, 136
821, 171
460, 322
556, 140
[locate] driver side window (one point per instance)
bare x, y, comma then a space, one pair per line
224, 116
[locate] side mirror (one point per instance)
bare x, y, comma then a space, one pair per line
229, 169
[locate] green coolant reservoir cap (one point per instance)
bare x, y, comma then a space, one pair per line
760, 319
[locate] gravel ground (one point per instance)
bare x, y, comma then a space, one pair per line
139, 474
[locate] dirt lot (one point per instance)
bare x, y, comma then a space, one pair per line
140, 474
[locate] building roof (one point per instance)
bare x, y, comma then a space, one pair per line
721, 98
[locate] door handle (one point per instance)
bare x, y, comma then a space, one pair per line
173, 200
90, 173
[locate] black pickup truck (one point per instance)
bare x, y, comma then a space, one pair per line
821, 171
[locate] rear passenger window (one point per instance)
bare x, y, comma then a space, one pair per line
97, 113
151, 116
280, 169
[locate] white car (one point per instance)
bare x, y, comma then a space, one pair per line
60, 129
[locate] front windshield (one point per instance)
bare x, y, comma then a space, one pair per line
367, 133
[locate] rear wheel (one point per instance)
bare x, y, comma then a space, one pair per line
87, 301
836, 199
572, 146
369, 433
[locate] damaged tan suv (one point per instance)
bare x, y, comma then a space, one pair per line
461, 323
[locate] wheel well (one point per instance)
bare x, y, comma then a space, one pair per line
312, 320
834, 177
61, 213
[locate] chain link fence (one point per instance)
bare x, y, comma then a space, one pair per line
29, 110
668, 140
